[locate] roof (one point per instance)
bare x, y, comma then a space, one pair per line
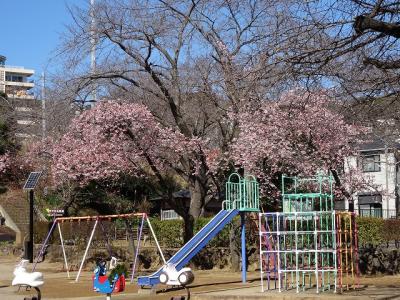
378, 144
182, 194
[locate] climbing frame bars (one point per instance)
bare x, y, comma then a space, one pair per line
300, 248
347, 250
242, 193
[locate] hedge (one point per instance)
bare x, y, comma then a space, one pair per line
168, 232
370, 231
375, 231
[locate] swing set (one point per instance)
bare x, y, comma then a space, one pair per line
98, 220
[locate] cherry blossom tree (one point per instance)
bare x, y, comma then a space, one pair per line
115, 138
300, 134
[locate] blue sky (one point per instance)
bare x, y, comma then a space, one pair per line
31, 30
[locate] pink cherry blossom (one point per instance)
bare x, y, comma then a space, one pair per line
114, 138
5, 162
300, 134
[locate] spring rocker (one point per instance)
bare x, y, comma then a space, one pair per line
103, 284
29, 279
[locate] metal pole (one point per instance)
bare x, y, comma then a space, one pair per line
155, 239
30, 245
260, 233
243, 230
137, 249
63, 249
86, 251
93, 42
43, 106
386, 183
44, 245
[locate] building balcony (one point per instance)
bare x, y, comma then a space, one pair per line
17, 69
24, 84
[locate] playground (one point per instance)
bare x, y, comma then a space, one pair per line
306, 249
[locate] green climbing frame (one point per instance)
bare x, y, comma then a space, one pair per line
242, 193
319, 195
298, 245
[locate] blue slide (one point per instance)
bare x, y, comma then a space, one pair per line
191, 248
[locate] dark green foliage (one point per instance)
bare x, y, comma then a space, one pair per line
120, 269
5, 140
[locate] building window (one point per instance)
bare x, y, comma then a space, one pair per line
371, 210
371, 163
370, 205
14, 78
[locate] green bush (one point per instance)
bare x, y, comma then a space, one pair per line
370, 231
220, 240
168, 232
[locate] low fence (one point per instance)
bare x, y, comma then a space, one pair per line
378, 213
169, 214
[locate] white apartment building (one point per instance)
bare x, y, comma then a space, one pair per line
14, 81
380, 166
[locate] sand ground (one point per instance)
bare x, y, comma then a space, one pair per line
207, 285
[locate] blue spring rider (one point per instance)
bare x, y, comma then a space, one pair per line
101, 284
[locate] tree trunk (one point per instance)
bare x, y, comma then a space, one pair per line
197, 194
131, 242
234, 246
188, 225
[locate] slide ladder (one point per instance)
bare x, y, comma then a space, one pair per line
192, 247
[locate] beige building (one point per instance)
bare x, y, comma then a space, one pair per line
25, 110
15, 81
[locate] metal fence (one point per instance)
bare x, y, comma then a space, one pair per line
169, 214
378, 213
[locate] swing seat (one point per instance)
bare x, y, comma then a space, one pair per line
101, 284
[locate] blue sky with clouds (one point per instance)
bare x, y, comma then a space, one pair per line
30, 30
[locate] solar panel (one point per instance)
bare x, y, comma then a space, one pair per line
32, 180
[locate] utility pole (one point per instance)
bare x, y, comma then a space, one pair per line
43, 92
93, 48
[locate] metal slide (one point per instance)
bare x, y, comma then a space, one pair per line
191, 248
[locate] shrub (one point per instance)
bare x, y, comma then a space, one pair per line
168, 232
391, 230
370, 231
220, 240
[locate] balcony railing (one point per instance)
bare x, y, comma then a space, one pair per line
378, 213
169, 215
11, 67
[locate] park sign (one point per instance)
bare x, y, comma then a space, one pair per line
55, 212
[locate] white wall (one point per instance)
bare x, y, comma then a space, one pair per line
386, 187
